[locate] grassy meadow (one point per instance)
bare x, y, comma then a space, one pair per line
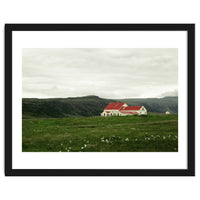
151, 133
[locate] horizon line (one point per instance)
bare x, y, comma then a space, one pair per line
98, 97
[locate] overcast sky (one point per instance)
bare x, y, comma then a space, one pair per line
107, 73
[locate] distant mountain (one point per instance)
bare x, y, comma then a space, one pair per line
89, 106
158, 105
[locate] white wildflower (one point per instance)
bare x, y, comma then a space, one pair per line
126, 139
85, 145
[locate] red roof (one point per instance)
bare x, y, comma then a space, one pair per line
114, 106
131, 108
128, 112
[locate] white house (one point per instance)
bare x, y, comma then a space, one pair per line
122, 109
113, 109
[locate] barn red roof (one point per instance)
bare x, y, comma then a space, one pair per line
128, 112
131, 108
114, 106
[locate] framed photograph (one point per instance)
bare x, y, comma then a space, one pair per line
99, 99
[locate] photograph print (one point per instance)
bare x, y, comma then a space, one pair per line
100, 100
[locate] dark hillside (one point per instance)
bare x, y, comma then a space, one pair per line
88, 106
63, 107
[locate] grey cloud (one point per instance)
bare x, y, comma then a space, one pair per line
109, 73
169, 93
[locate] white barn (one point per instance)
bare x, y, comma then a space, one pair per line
122, 109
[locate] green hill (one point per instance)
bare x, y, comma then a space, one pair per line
88, 106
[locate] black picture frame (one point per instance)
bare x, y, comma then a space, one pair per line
190, 28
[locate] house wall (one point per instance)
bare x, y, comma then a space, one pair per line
111, 113
122, 114
143, 111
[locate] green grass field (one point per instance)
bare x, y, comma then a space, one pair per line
151, 133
